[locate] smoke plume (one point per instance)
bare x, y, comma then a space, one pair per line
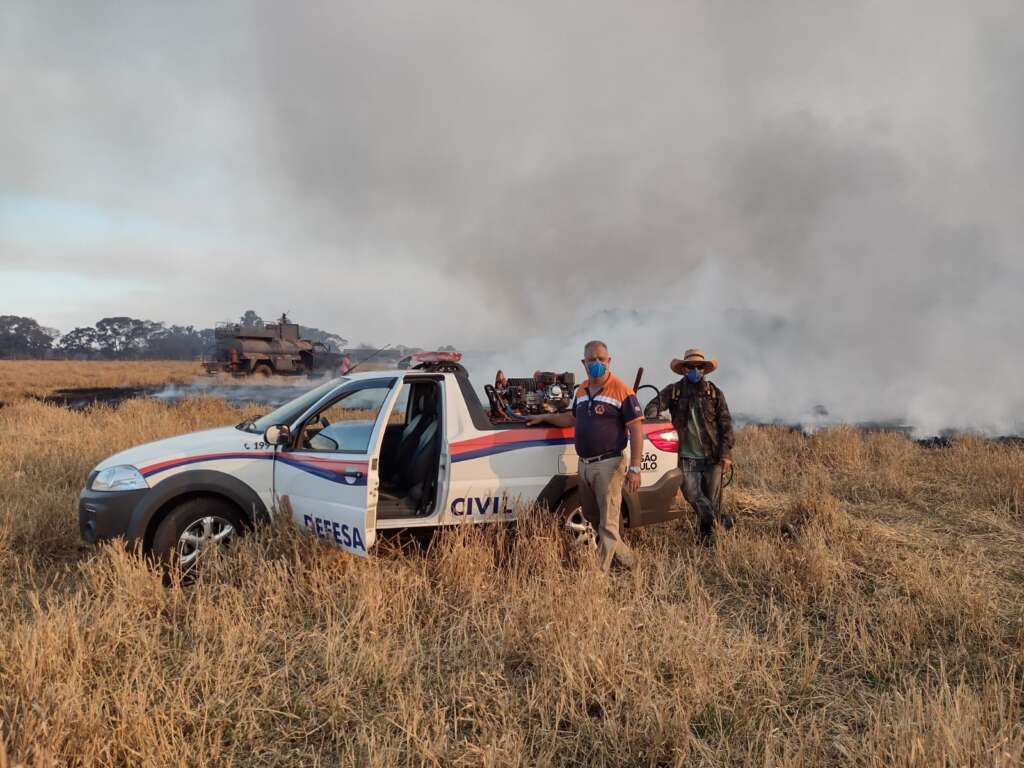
825, 197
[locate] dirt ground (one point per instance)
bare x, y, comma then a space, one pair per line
888, 632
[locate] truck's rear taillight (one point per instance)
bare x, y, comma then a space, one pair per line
666, 440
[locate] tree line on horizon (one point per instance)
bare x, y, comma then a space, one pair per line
122, 338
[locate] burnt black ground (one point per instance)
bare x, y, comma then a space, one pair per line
81, 398
237, 394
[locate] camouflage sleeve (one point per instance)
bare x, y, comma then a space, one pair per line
659, 403
725, 434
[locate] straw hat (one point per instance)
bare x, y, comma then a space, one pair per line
693, 357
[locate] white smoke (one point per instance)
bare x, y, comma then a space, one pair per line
825, 197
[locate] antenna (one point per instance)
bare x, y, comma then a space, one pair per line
366, 359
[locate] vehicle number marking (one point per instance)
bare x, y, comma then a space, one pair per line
258, 445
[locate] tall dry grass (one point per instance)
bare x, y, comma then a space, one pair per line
888, 632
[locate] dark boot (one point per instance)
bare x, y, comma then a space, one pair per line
705, 523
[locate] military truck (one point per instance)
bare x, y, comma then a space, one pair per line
272, 349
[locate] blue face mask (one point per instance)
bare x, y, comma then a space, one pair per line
596, 369
694, 375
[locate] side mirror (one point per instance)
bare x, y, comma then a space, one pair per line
277, 435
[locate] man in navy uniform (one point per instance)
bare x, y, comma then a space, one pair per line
606, 415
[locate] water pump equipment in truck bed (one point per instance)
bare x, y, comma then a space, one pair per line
514, 399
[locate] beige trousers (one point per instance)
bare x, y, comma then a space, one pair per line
600, 486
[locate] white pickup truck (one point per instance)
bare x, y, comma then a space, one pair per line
354, 456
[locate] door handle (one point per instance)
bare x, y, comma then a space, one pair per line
353, 473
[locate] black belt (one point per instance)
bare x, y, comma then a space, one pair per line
601, 457
705, 463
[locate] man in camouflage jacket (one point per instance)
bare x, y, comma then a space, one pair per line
702, 421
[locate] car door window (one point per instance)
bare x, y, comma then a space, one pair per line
345, 425
400, 411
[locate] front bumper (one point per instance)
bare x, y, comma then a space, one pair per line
104, 515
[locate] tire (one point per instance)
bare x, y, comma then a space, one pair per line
577, 532
263, 370
190, 528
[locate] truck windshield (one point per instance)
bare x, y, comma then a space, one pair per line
288, 412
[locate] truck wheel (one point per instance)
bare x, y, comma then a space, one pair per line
577, 530
192, 528
263, 370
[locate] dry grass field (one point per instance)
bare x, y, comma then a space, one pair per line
40, 377
887, 633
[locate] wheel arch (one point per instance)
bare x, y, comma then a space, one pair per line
557, 488
560, 487
169, 493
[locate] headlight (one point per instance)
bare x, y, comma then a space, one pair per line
121, 478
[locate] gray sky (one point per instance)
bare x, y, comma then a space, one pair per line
826, 196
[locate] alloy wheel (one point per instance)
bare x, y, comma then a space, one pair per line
579, 532
208, 532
